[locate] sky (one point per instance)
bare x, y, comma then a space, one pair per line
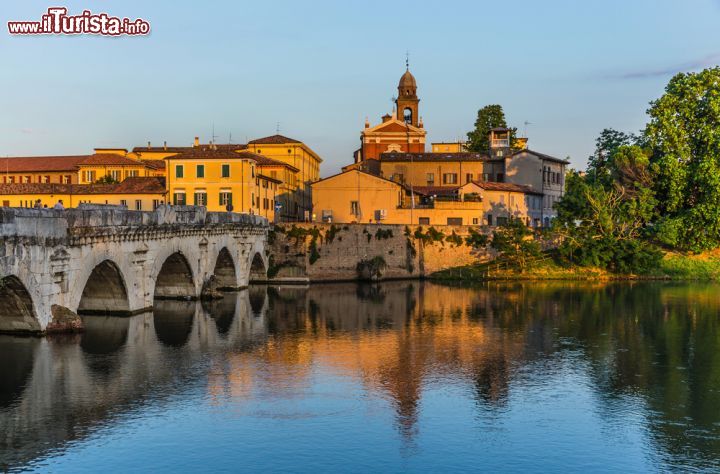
319, 68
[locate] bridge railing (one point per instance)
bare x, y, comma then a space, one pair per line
51, 223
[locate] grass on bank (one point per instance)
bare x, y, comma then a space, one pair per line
673, 266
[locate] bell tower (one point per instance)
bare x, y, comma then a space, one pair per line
407, 99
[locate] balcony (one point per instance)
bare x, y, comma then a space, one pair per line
500, 143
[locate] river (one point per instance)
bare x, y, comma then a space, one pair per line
395, 377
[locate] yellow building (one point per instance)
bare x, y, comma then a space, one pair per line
115, 167
218, 178
448, 147
292, 162
356, 196
137, 193
301, 157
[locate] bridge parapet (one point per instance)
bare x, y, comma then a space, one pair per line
43, 224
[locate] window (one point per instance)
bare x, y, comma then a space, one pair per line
430, 178
156, 204
399, 178
132, 173
489, 219
225, 198
89, 176
46, 179
252, 199
500, 178
454, 221
179, 171
486, 176
355, 208
6, 203
475, 221
501, 221
424, 220
123, 202
67, 179
200, 198
138, 205
225, 171
252, 171
468, 177
115, 175
200, 171
27, 179
273, 174
450, 178
179, 198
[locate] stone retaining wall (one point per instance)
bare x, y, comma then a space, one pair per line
332, 252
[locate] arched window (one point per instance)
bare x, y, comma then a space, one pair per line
407, 115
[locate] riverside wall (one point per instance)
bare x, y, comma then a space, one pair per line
332, 252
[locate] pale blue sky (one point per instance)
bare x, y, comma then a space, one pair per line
320, 67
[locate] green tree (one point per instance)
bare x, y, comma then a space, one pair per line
606, 146
107, 179
684, 137
514, 242
489, 117
604, 223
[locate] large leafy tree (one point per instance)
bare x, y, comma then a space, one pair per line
603, 222
605, 147
489, 117
684, 137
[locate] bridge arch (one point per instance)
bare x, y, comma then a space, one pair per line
175, 279
105, 291
224, 271
17, 312
258, 269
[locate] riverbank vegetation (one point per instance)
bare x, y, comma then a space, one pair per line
648, 204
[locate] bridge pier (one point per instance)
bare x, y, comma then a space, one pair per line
109, 260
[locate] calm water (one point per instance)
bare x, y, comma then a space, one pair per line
395, 377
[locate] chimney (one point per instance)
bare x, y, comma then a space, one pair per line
367, 123
149, 145
197, 141
165, 145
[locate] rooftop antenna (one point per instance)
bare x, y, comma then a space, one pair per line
229, 137
526, 123
407, 60
277, 128
214, 137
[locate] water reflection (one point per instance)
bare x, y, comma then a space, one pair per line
173, 321
573, 365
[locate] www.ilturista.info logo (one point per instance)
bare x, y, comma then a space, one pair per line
58, 22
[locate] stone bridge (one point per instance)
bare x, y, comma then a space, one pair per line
56, 264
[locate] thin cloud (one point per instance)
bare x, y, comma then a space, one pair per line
710, 60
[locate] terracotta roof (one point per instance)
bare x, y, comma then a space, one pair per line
270, 178
264, 160
435, 190
154, 164
33, 164
136, 185
512, 187
205, 152
273, 140
541, 155
141, 185
181, 149
462, 156
109, 159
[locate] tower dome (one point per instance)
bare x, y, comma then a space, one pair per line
407, 85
